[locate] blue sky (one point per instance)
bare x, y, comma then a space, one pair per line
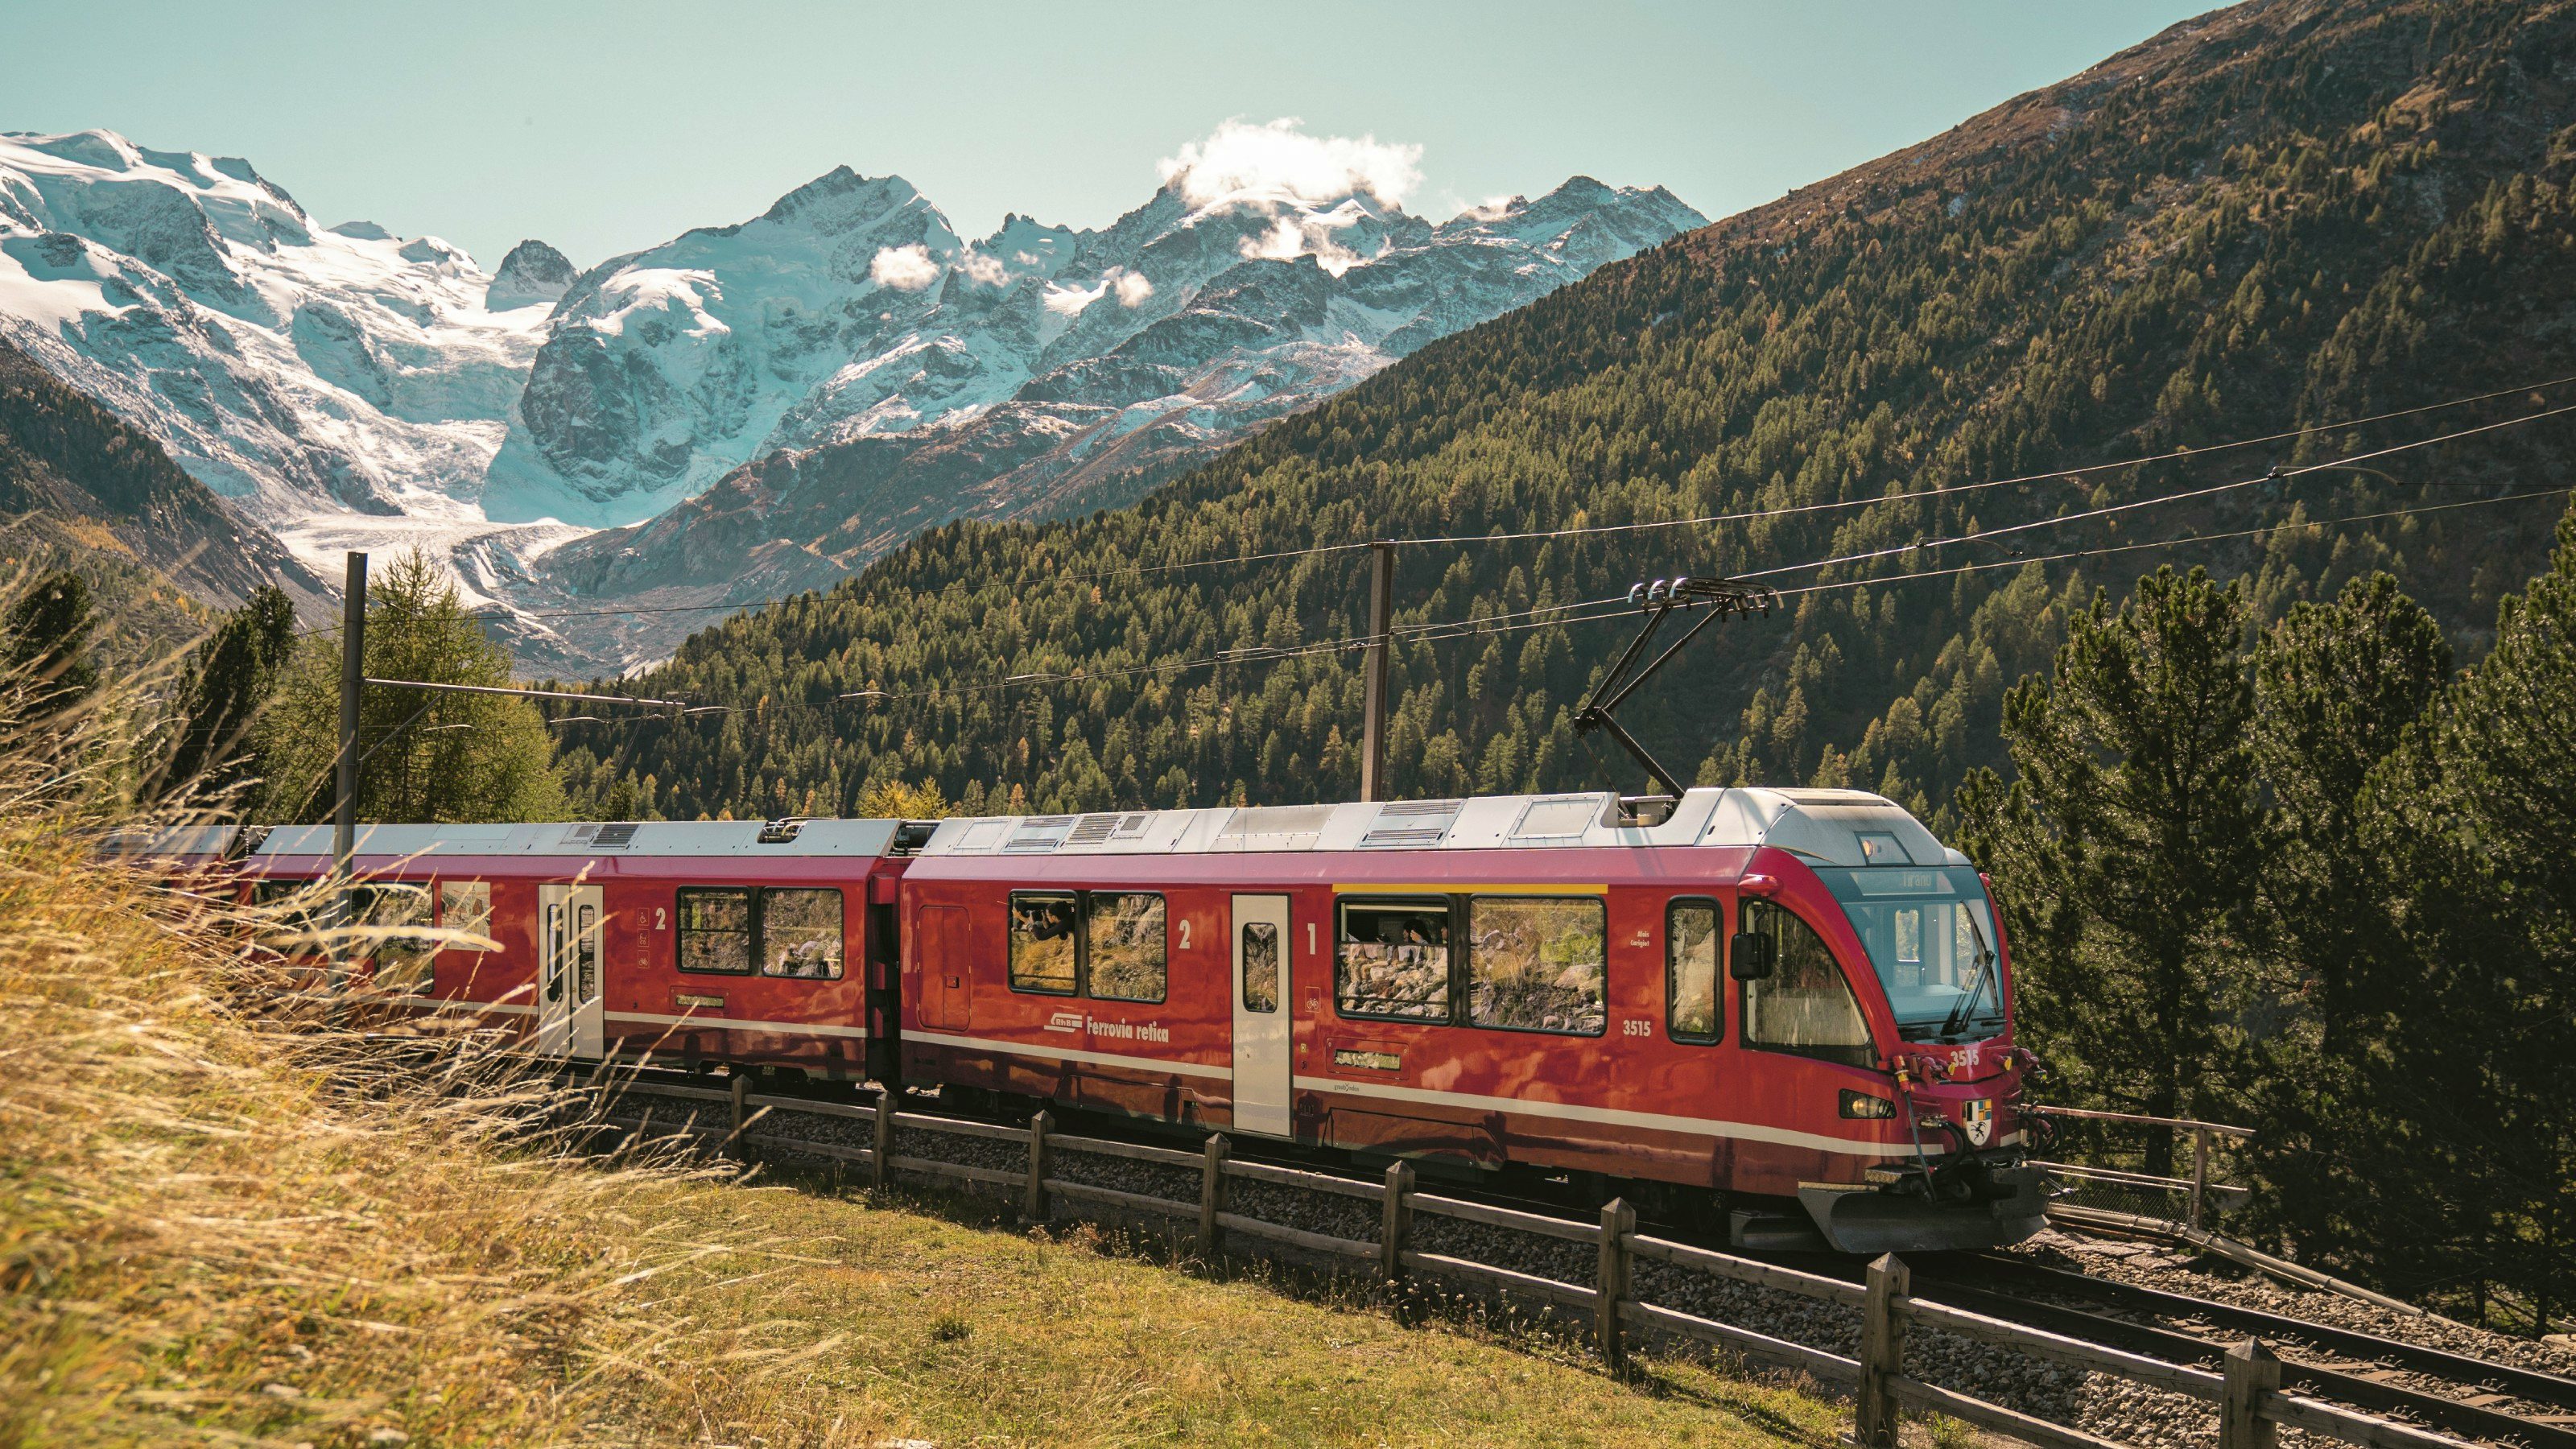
606, 127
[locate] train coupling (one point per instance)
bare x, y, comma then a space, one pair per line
1969, 1200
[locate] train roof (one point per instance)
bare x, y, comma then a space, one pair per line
751, 839
1832, 827
1829, 827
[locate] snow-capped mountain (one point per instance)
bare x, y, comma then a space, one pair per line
801, 390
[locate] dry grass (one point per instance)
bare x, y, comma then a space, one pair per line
223, 1226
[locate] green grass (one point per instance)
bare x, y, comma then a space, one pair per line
963, 1333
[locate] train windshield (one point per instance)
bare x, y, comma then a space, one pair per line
1930, 935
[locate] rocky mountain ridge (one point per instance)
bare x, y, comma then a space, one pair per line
802, 389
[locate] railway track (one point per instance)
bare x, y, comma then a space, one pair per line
2475, 1402
2473, 1398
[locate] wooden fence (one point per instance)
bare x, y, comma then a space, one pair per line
2247, 1396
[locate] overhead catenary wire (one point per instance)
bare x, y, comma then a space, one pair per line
1617, 606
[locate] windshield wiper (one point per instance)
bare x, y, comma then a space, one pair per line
1958, 1016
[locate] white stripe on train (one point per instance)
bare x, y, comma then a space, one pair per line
1567, 1111
1702, 1126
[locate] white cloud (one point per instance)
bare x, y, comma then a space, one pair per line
1306, 233
1069, 301
981, 268
906, 269
1132, 289
1277, 159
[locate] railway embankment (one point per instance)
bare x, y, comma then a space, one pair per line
220, 1226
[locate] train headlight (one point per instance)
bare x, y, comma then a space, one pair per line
1865, 1107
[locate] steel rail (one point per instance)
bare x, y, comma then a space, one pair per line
2523, 1383
2455, 1416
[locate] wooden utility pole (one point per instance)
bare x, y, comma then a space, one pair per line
1373, 731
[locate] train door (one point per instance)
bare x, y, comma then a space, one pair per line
572, 1016
947, 987
1261, 1085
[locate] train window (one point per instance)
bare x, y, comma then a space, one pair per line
1127, 958
1538, 963
394, 920
465, 906
1393, 960
1804, 1006
715, 929
800, 932
1042, 942
1691, 931
287, 912
1260, 966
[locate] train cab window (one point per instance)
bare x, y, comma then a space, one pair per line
1260, 966
1805, 1006
1538, 963
1126, 946
800, 932
1691, 933
1042, 942
715, 929
1393, 960
465, 906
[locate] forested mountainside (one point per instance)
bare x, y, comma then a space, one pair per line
80, 489
2290, 214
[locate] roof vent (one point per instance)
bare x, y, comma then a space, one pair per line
1559, 818
1410, 823
601, 837
1274, 827
782, 831
1039, 834
911, 835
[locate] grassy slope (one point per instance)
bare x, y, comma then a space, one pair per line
214, 1231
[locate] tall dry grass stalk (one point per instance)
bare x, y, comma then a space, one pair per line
226, 1217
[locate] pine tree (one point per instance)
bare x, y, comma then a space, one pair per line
2494, 913
44, 644
2344, 1151
2126, 851
229, 683
423, 756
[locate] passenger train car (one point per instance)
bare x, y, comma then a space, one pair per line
1788, 1009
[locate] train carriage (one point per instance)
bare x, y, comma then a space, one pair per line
1713, 1008
1790, 1009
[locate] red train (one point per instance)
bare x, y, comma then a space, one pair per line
1790, 1008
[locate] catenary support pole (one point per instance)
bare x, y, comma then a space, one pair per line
1373, 730
344, 808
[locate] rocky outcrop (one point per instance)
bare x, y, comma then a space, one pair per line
533, 274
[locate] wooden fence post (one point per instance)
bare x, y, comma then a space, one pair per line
881, 1159
1396, 1224
1211, 1196
735, 1147
2199, 1172
2252, 1372
1882, 1353
1611, 1284
1034, 1207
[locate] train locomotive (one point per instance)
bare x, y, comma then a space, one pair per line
1783, 1012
